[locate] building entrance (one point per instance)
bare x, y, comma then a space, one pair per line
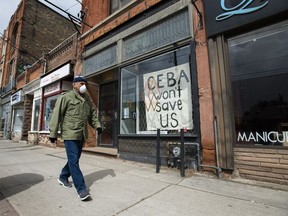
108, 114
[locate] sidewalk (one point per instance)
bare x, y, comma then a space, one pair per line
28, 181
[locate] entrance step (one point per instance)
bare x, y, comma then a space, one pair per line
102, 150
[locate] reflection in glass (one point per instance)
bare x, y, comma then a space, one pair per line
259, 74
36, 115
49, 104
133, 109
18, 120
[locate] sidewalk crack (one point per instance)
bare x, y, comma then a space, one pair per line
143, 199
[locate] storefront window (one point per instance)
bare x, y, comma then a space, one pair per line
156, 94
49, 104
36, 115
259, 74
18, 120
5, 118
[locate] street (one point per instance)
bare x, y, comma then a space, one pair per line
28, 187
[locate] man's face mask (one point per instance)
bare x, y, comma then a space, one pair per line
82, 89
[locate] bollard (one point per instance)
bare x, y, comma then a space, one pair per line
182, 164
158, 160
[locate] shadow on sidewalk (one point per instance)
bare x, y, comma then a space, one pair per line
95, 176
17, 183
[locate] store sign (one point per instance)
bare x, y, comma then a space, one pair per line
56, 75
226, 15
238, 9
31, 87
52, 88
266, 137
167, 98
17, 97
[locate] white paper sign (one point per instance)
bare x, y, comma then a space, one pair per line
167, 98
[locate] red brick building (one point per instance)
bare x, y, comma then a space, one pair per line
134, 52
33, 30
126, 37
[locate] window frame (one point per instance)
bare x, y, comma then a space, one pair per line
120, 5
34, 114
195, 130
259, 132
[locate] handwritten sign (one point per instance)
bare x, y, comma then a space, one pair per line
167, 98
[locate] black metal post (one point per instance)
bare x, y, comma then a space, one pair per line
182, 164
158, 160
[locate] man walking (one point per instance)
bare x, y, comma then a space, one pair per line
72, 112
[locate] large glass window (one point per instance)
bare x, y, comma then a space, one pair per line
5, 118
36, 115
259, 74
156, 94
18, 120
49, 104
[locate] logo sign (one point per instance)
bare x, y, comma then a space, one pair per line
167, 98
241, 8
17, 97
223, 16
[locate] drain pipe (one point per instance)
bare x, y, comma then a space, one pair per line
216, 142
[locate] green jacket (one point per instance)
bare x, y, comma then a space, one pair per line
72, 112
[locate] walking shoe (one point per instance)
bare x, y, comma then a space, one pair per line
83, 195
64, 183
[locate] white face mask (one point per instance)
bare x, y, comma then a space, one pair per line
82, 89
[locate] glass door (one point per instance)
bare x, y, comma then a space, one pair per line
108, 114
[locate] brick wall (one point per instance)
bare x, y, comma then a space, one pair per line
205, 91
34, 72
21, 80
96, 10
269, 165
28, 103
43, 29
63, 53
115, 21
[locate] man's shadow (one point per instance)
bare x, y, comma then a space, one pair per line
95, 176
17, 183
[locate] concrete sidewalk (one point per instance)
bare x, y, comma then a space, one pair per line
28, 181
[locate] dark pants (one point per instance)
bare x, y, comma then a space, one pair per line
72, 168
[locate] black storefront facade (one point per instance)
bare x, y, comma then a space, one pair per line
144, 77
248, 41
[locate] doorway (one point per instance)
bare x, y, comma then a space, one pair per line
108, 114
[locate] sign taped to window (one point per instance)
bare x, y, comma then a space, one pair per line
167, 98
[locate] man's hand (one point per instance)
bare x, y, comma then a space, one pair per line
52, 139
99, 130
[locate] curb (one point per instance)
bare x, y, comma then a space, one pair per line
6, 209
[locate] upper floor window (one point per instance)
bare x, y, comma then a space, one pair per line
10, 72
14, 35
117, 4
